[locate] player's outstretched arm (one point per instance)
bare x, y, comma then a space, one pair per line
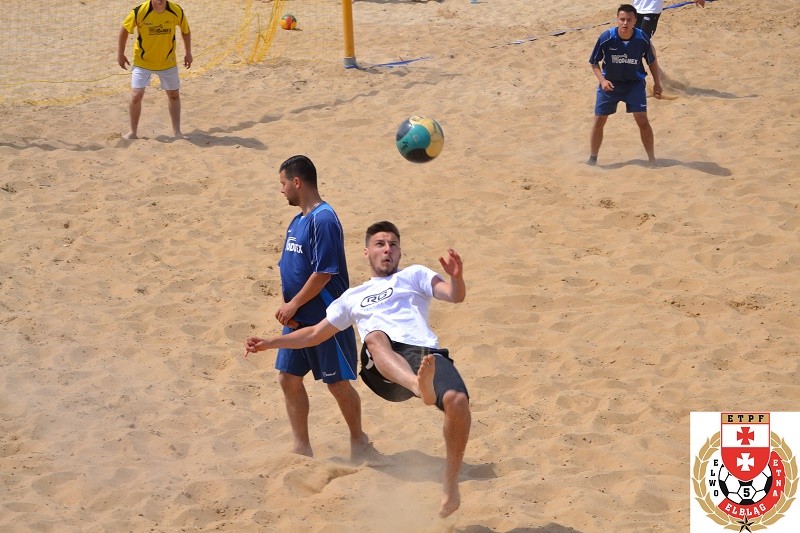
302, 338
454, 290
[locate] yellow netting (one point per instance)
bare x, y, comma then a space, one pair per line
58, 52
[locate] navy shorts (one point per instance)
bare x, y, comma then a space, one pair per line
633, 93
331, 361
446, 377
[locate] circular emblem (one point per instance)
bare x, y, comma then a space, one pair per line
743, 505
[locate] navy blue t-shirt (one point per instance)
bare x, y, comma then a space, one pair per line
314, 243
622, 60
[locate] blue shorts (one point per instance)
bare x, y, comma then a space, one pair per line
333, 360
633, 93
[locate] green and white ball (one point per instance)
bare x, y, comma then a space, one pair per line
420, 139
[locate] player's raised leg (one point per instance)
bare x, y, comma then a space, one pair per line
425, 374
397, 370
389, 363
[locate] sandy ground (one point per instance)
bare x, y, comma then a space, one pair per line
604, 303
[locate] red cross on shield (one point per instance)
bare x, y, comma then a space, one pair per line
744, 443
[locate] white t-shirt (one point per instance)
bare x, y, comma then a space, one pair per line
649, 7
398, 305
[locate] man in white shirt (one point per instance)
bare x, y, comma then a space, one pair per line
648, 12
400, 353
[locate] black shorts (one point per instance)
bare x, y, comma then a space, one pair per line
446, 377
647, 23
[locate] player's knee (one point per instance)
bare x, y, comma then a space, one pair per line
376, 340
289, 382
456, 401
340, 388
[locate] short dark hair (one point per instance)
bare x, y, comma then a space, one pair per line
627, 8
300, 166
381, 227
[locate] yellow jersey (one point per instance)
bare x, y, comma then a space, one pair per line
155, 43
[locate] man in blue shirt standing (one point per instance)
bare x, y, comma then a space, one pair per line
313, 274
622, 51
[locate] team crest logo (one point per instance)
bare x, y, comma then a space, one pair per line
744, 444
745, 476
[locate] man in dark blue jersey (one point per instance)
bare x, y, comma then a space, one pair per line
313, 274
622, 51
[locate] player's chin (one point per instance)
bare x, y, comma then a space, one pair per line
386, 269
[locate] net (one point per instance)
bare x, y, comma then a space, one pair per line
64, 51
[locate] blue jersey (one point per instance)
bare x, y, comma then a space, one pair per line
622, 60
314, 243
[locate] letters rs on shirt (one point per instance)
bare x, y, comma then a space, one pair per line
373, 299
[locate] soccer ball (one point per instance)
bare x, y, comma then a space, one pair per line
745, 492
419, 139
288, 22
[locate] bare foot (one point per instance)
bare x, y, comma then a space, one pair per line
130, 136
359, 448
303, 449
179, 135
451, 501
425, 379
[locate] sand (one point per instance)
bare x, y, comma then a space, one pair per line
604, 303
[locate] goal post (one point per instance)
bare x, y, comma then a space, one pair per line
347, 30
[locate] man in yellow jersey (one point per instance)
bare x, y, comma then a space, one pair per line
154, 52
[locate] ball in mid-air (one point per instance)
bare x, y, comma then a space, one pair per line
419, 139
288, 22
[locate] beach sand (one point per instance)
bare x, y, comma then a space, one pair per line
604, 303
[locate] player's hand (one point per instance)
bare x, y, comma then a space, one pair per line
606, 85
701, 3
452, 264
187, 60
254, 344
657, 90
122, 60
285, 313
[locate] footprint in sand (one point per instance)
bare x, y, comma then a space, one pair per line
315, 477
